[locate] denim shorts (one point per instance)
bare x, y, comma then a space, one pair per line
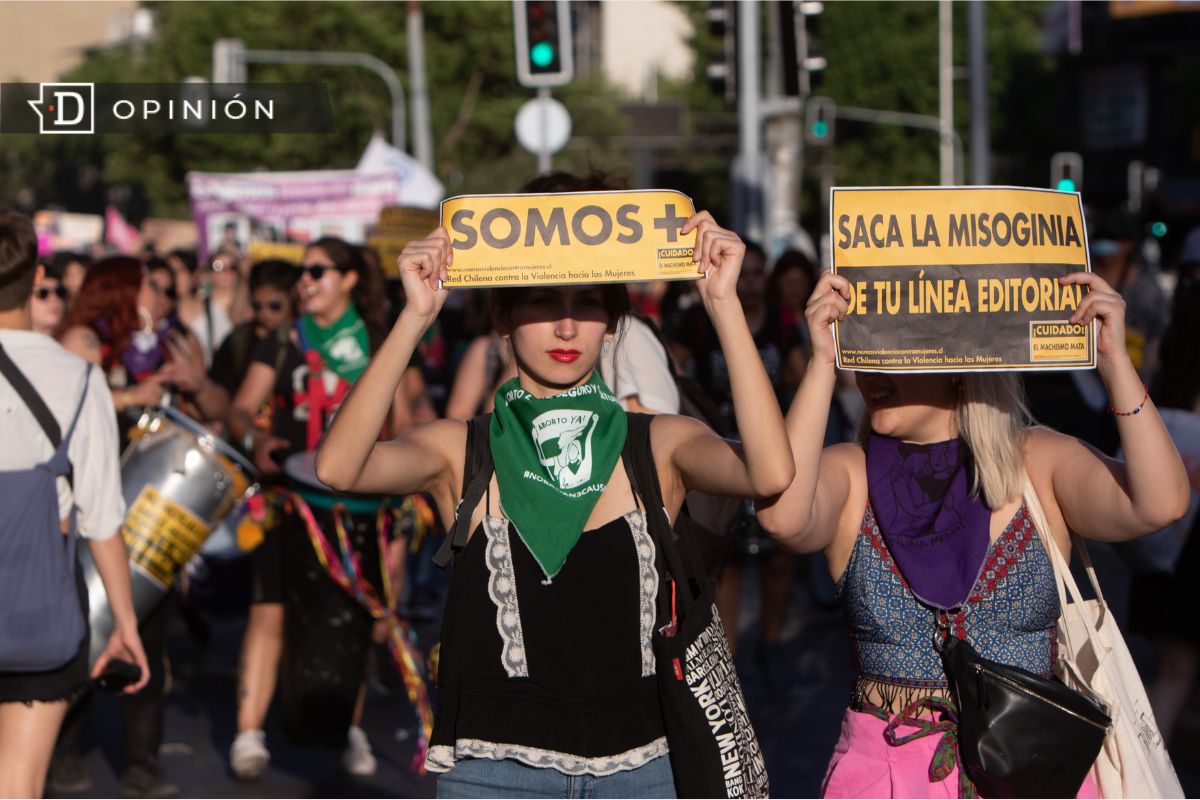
483, 777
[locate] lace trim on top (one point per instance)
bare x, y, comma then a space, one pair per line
502, 588
647, 583
442, 757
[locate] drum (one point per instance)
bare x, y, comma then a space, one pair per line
179, 480
327, 633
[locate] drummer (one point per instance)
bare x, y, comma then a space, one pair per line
303, 386
122, 322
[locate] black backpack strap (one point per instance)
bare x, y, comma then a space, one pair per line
638, 456
31, 397
477, 476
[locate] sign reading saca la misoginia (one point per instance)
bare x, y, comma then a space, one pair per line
961, 279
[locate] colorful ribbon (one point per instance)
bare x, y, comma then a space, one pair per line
945, 754
343, 566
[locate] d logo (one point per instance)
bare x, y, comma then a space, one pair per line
65, 108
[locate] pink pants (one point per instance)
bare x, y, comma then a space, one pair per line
865, 765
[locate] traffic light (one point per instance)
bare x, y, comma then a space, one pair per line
820, 113
811, 54
721, 69
1066, 172
545, 56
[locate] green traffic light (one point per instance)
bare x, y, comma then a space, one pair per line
542, 54
1065, 185
1159, 229
820, 129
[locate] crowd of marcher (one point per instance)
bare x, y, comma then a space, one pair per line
348, 389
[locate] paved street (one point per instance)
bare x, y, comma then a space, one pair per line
797, 726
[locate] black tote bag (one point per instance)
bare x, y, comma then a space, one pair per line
714, 750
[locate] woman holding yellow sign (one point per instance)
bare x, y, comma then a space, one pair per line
547, 680
932, 527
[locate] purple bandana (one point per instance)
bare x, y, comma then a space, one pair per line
146, 350
936, 532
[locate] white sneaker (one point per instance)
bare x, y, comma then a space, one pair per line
357, 758
249, 755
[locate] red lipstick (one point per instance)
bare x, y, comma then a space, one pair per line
565, 356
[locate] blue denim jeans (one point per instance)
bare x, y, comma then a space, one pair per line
482, 777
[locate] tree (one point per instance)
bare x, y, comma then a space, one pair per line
474, 97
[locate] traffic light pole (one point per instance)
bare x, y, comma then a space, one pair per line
906, 120
747, 168
543, 155
341, 59
422, 129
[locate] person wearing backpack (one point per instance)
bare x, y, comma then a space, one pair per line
557, 692
51, 490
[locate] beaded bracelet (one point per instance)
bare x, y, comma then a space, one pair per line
1137, 410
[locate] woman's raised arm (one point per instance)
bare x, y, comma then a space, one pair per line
1101, 498
806, 516
703, 461
351, 459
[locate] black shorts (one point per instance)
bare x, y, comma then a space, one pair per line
62, 683
268, 567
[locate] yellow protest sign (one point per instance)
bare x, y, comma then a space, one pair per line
399, 225
572, 237
287, 251
161, 535
960, 279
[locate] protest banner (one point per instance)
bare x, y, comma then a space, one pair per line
569, 237
234, 210
58, 231
961, 279
284, 251
287, 206
399, 225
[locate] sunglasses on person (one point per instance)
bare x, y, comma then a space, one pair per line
44, 292
317, 271
271, 305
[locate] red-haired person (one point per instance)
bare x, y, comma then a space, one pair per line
121, 322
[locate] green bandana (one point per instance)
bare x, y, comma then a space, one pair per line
343, 345
553, 458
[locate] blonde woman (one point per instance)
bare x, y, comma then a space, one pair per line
925, 529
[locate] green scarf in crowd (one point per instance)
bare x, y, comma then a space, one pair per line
343, 346
553, 458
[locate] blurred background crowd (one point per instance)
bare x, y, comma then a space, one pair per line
754, 109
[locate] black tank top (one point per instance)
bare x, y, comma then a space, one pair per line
551, 673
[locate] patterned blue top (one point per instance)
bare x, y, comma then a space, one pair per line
1010, 616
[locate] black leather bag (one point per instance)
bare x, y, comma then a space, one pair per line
1019, 734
